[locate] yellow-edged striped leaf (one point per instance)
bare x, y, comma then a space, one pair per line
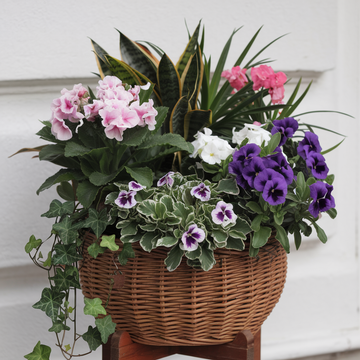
123, 71
188, 52
177, 117
137, 58
194, 121
100, 58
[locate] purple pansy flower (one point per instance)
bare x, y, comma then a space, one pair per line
201, 192
246, 153
251, 171
279, 163
223, 214
309, 144
166, 179
275, 191
264, 176
286, 127
134, 186
316, 162
126, 199
192, 237
323, 200
236, 168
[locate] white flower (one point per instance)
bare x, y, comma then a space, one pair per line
255, 133
210, 148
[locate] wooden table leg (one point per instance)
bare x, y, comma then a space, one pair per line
244, 347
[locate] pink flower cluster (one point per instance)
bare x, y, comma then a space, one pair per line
262, 77
236, 77
117, 108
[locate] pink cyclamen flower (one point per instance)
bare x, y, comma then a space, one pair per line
236, 77
60, 130
192, 237
126, 199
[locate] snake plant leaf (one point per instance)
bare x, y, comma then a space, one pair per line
40, 352
170, 85
188, 52
148, 52
123, 71
194, 121
133, 55
100, 57
158, 50
176, 123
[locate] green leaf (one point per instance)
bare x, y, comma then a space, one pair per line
167, 241
235, 244
320, 232
65, 191
148, 241
97, 178
297, 239
47, 262
72, 148
93, 307
33, 243
58, 326
122, 71
109, 242
176, 122
106, 327
58, 209
67, 231
126, 253
86, 193
66, 279
332, 213
100, 59
282, 237
40, 352
206, 258
143, 176
97, 221
95, 249
228, 186
60, 176
65, 254
256, 223
194, 121
50, 303
135, 136
241, 226
174, 257
252, 205
261, 237
92, 337
219, 236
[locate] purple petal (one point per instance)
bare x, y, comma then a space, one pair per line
126, 199
133, 185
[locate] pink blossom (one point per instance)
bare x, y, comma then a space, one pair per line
92, 110
60, 130
264, 76
146, 113
236, 77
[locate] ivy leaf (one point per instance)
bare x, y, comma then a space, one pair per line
65, 254
33, 243
50, 303
67, 231
126, 253
93, 307
58, 209
92, 337
40, 352
58, 326
97, 221
109, 242
66, 279
95, 249
106, 327
47, 262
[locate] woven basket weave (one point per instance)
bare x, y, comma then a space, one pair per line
186, 306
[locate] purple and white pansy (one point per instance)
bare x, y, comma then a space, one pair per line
126, 199
192, 237
134, 186
166, 179
223, 214
201, 192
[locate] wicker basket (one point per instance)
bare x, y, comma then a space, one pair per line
187, 306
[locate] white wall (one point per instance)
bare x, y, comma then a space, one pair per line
45, 47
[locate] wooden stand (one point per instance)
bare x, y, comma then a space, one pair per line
244, 347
